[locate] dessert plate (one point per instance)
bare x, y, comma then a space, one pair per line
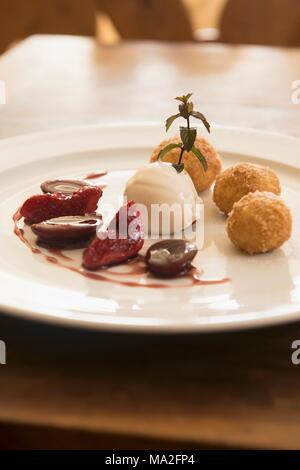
261, 290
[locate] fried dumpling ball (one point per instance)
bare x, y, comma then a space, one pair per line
202, 179
239, 180
259, 222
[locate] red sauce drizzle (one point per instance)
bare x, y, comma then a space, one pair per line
58, 252
137, 269
92, 176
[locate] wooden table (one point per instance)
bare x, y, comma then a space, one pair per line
70, 388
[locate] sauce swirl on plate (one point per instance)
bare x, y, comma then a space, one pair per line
136, 267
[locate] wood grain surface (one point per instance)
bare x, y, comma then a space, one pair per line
236, 390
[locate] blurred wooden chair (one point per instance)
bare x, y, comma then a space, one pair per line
165, 20
268, 22
132, 19
22, 18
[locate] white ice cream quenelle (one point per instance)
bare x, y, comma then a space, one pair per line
168, 200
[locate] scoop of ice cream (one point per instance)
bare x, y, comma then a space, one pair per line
168, 200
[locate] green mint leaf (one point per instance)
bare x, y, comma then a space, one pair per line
200, 157
183, 109
170, 120
201, 116
167, 149
179, 167
187, 97
190, 107
188, 137
184, 98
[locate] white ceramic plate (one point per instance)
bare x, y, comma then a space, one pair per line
263, 290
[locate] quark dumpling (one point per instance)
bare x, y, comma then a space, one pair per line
259, 222
239, 180
168, 200
202, 179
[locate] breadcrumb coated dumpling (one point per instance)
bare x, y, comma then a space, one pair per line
239, 180
259, 222
202, 179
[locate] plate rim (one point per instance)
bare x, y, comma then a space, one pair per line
165, 328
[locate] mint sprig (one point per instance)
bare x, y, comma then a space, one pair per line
188, 134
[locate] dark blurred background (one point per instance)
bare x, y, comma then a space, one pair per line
267, 22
